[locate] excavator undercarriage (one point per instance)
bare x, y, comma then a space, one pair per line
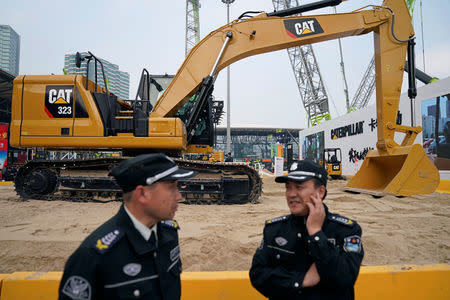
88, 180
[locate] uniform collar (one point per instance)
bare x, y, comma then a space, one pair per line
138, 242
140, 245
143, 230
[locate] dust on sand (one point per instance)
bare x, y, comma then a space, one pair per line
40, 235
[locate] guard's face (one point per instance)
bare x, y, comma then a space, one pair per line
298, 194
163, 199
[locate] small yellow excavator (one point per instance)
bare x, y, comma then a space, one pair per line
72, 112
332, 162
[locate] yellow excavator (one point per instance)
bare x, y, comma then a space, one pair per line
72, 112
332, 162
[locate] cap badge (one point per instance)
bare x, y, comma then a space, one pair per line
132, 269
281, 241
294, 166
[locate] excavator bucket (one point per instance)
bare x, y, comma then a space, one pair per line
405, 173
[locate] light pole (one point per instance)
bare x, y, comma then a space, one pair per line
228, 149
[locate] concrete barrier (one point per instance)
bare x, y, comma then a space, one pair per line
443, 187
2, 276
374, 282
31, 286
403, 282
218, 285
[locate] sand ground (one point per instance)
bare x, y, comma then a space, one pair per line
40, 235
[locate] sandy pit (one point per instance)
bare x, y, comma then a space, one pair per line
40, 235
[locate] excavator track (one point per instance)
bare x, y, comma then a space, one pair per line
220, 183
88, 181
67, 180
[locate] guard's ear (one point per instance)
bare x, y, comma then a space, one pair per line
322, 191
140, 193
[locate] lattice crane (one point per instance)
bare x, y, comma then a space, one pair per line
192, 24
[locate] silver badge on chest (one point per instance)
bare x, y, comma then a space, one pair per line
281, 241
132, 269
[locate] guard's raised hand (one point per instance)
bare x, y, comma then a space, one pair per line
316, 214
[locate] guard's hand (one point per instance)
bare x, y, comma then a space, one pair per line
316, 214
312, 277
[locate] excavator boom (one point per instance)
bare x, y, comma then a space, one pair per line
392, 31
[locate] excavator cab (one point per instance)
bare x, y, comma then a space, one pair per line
117, 116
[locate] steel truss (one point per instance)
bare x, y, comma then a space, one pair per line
365, 88
192, 24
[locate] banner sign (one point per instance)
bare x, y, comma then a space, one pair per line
3, 144
279, 161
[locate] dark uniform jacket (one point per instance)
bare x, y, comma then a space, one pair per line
287, 251
116, 262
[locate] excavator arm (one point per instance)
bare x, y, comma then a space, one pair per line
390, 23
263, 33
392, 30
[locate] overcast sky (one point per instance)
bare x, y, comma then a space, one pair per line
135, 34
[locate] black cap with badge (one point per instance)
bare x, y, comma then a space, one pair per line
304, 170
147, 169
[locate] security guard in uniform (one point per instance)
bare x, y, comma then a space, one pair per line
135, 254
311, 253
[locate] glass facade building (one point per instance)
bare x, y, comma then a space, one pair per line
257, 142
9, 50
118, 81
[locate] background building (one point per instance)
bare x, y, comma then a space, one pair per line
118, 81
257, 142
9, 50
428, 125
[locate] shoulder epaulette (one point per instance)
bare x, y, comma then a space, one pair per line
277, 220
341, 220
170, 224
105, 243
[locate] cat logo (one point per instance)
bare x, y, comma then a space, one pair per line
58, 101
60, 96
296, 28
